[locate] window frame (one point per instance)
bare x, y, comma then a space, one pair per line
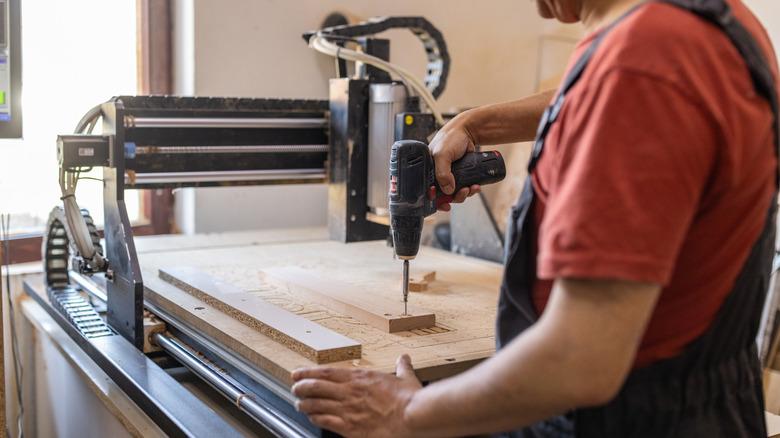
154, 76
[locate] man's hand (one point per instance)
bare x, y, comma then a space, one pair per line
500, 123
357, 402
448, 145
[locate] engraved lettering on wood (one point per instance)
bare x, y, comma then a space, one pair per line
372, 309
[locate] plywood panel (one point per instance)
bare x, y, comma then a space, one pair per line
294, 332
463, 296
359, 303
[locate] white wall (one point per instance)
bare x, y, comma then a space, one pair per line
254, 48
768, 11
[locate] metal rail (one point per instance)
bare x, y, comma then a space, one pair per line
232, 149
169, 404
314, 175
224, 122
265, 415
88, 286
225, 359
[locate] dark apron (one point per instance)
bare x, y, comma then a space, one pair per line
713, 388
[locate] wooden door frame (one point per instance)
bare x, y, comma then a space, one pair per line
155, 76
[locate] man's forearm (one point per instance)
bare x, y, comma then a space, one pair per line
508, 122
516, 388
576, 355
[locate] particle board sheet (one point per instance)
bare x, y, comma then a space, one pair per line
297, 333
463, 297
372, 309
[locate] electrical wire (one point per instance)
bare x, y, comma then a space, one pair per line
89, 117
492, 219
92, 125
75, 221
5, 234
68, 181
90, 178
320, 43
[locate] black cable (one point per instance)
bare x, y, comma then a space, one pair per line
492, 218
5, 234
90, 116
340, 38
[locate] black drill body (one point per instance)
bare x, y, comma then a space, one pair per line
412, 174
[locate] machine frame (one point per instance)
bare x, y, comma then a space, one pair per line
166, 141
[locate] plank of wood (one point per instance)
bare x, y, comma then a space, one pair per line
305, 337
359, 303
772, 425
416, 285
771, 382
418, 282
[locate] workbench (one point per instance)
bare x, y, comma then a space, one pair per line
463, 298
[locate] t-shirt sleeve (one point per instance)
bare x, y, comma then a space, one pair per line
635, 155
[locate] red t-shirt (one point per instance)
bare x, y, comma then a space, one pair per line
659, 169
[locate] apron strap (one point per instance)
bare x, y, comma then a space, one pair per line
684, 395
551, 113
718, 12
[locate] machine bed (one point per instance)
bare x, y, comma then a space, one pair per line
197, 335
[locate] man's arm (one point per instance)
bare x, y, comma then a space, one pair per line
578, 354
508, 122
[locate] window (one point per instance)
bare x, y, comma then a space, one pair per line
75, 54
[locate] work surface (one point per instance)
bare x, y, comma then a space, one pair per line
463, 297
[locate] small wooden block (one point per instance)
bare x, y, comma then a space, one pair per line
419, 282
297, 333
152, 325
358, 303
416, 285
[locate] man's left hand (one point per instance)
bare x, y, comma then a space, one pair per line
357, 402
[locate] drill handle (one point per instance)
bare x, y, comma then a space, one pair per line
485, 167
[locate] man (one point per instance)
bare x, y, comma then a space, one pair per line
638, 255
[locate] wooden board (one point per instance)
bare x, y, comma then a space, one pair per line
772, 425
463, 296
294, 332
419, 282
771, 383
359, 303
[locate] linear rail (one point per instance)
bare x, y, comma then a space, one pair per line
312, 175
265, 415
263, 149
224, 122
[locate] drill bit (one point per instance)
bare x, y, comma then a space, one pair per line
406, 285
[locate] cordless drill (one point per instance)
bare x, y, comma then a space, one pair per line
415, 194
